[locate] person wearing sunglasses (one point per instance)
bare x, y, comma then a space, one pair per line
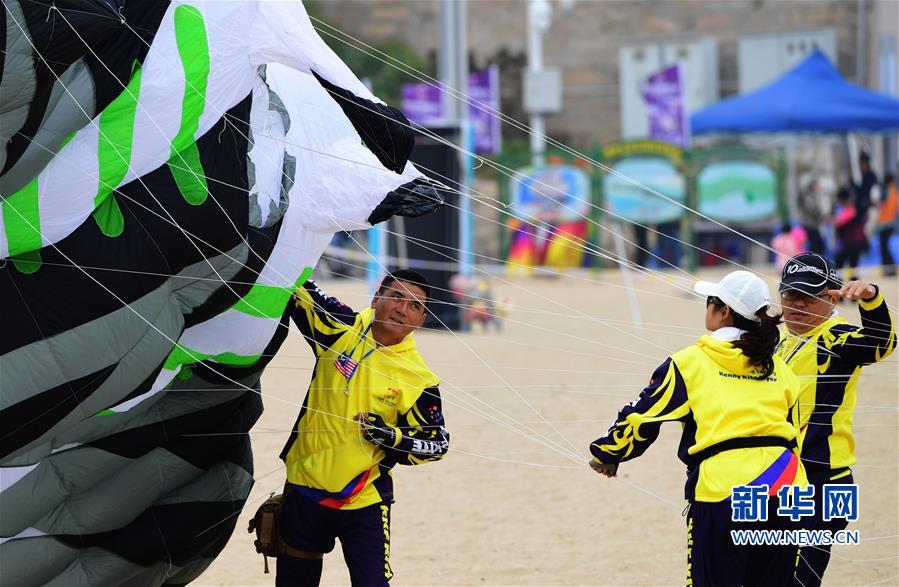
372, 404
737, 402
828, 353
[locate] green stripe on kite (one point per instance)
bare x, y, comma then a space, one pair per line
268, 301
261, 301
189, 175
108, 217
193, 48
66, 140
236, 360
22, 223
114, 140
181, 356
27, 262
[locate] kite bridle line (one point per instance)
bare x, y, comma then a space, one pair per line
171, 220
514, 176
175, 223
489, 163
235, 227
224, 116
237, 130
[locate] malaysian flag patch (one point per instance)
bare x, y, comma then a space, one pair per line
346, 365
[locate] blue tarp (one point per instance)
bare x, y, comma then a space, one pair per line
812, 97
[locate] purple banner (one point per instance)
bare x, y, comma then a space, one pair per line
663, 93
483, 86
421, 103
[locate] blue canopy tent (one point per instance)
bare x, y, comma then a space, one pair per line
813, 97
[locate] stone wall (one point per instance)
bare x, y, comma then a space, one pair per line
584, 43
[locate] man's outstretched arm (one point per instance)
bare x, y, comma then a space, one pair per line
876, 338
318, 316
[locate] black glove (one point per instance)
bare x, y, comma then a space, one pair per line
377, 431
413, 199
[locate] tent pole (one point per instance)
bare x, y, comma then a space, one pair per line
628, 279
861, 47
402, 251
792, 180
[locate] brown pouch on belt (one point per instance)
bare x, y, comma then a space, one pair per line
265, 524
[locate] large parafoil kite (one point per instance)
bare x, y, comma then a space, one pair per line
170, 172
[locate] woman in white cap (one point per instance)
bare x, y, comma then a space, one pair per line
737, 403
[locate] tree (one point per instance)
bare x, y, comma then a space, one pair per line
386, 74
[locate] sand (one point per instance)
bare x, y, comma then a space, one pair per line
505, 507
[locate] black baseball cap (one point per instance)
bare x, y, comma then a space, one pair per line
809, 273
409, 276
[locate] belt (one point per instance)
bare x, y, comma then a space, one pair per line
735, 443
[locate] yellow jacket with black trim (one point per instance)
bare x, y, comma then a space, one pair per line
828, 361
327, 459
715, 394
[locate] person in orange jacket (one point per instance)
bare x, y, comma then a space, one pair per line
887, 221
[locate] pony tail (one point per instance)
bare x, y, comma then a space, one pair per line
760, 339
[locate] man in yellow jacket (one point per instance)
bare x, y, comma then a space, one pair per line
372, 403
828, 353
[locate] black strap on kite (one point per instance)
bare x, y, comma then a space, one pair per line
735, 443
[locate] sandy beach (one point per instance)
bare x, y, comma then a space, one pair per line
510, 504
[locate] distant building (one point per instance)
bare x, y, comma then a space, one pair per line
735, 45
882, 55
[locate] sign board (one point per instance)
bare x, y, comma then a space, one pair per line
761, 59
555, 194
640, 171
737, 191
549, 217
423, 104
543, 91
699, 60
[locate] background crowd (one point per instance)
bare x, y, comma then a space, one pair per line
846, 223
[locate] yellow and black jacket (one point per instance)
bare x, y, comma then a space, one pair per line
327, 459
738, 428
828, 361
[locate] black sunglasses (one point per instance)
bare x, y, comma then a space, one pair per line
792, 295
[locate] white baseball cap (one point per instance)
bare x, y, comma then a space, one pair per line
744, 292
